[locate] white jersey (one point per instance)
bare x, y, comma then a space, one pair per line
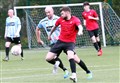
12, 25
48, 24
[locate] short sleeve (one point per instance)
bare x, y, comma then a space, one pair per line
77, 21
95, 13
40, 25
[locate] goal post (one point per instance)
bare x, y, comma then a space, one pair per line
32, 19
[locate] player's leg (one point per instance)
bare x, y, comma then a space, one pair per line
53, 54
83, 66
18, 42
94, 41
70, 55
68, 48
22, 56
50, 57
58, 61
7, 47
98, 41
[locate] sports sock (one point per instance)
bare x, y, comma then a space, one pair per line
51, 61
83, 66
21, 52
72, 65
99, 44
7, 51
96, 46
61, 64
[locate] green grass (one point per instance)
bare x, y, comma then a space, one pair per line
34, 69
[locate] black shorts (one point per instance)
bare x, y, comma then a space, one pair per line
93, 33
62, 46
13, 40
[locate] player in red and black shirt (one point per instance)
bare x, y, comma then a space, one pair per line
90, 21
70, 27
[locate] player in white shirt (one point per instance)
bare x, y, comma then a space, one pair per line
12, 33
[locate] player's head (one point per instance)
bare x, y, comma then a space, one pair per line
10, 12
49, 12
86, 6
65, 12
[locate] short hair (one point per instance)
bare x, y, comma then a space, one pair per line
86, 3
65, 8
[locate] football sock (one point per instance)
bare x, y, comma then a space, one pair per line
21, 52
83, 66
72, 65
7, 51
96, 46
51, 61
99, 44
61, 64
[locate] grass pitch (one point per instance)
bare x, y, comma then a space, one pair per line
34, 69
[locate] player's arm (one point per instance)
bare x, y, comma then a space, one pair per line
84, 22
38, 35
18, 28
52, 30
93, 18
5, 32
80, 30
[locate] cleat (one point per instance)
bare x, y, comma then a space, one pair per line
22, 58
56, 67
66, 75
73, 77
6, 59
89, 76
100, 52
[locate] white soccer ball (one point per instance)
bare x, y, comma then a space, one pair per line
16, 50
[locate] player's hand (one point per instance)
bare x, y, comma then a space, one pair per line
56, 38
40, 42
90, 17
16, 35
5, 37
49, 37
80, 33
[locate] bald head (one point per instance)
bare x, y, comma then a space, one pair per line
10, 12
49, 12
49, 8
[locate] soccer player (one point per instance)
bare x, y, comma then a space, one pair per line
90, 22
47, 23
70, 27
12, 33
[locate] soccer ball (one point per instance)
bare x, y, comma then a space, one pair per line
16, 50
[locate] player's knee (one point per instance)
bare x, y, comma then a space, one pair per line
49, 56
7, 44
93, 39
98, 39
76, 58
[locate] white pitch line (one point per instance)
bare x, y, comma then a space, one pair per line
42, 75
31, 69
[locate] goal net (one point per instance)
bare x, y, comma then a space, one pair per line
35, 13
